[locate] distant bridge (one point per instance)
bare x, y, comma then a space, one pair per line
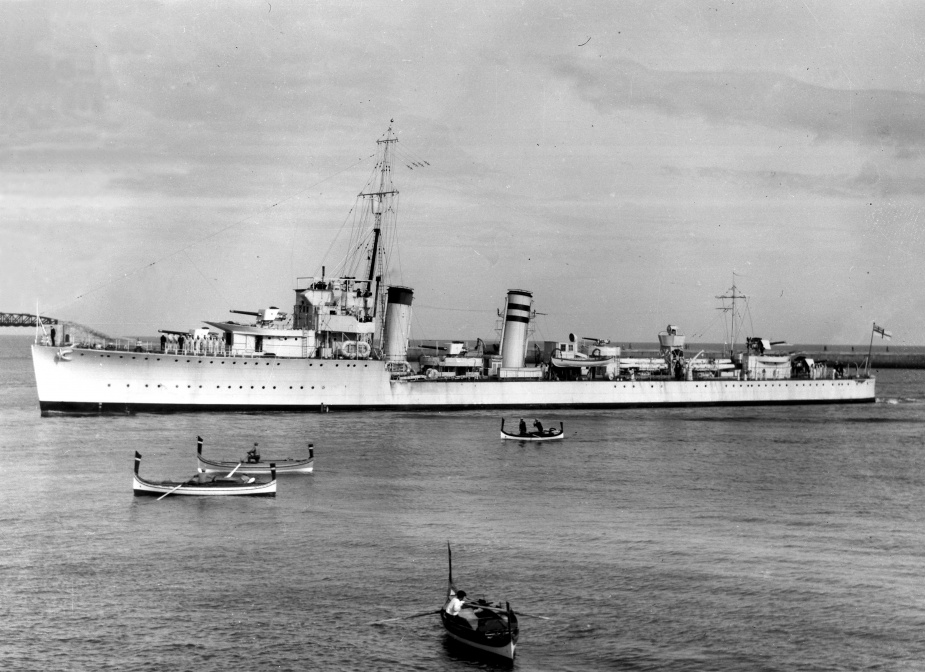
29, 320
24, 320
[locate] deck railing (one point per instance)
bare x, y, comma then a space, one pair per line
202, 348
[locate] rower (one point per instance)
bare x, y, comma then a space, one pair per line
456, 603
252, 455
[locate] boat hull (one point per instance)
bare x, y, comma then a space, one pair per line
142, 487
504, 645
257, 468
102, 381
532, 436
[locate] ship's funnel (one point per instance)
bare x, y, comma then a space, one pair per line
514, 331
397, 324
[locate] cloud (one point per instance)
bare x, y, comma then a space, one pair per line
884, 118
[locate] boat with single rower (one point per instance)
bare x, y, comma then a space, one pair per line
252, 463
481, 625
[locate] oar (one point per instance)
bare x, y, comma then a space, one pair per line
545, 618
476, 605
233, 470
169, 491
403, 618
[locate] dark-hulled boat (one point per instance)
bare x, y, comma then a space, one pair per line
259, 466
486, 627
205, 485
550, 434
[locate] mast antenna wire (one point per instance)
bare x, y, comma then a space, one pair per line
207, 237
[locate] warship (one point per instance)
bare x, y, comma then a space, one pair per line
345, 346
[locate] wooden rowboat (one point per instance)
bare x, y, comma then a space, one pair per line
283, 466
480, 625
205, 485
551, 434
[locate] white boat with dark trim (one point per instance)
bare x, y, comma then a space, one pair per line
204, 485
253, 463
344, 346
551, 434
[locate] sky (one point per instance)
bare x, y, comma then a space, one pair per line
164, 162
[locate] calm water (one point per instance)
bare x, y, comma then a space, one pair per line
677, 539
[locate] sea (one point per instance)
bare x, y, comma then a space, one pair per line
747, 538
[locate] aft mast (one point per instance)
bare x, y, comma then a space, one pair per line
731, 295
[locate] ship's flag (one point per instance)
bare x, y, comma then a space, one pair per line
883, 332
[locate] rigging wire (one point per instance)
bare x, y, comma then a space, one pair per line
210, 236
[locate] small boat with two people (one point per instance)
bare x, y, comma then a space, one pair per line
478, 624
205, 485
539, 434
253, 463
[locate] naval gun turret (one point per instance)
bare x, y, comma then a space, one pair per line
265, 316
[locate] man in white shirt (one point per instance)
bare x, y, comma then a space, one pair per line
456, 603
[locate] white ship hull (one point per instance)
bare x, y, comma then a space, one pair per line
93, 381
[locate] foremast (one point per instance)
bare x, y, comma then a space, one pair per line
381, 196
343, 316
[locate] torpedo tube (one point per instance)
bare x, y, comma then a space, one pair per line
397, 324
514, 331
